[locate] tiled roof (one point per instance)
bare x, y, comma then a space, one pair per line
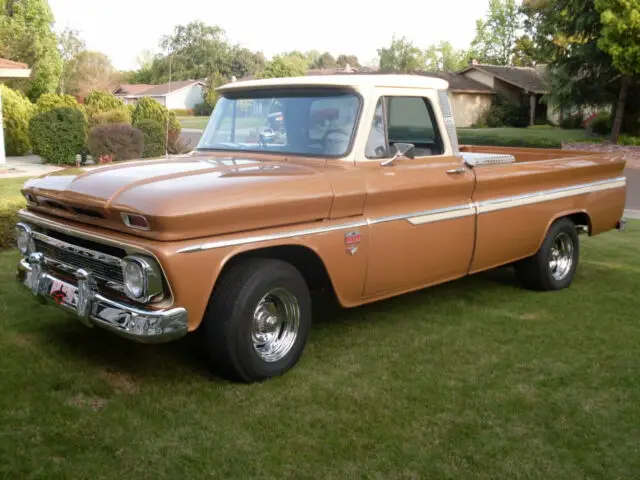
460, 83
10, 64
528, 78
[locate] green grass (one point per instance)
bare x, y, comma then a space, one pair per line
521, 137
201, 122
11, 200
473, 379
193, 122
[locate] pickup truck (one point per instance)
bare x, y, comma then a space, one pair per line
362, 191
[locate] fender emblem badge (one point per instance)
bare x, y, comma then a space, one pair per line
351, 242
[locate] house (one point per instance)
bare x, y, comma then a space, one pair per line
520, 85
183, 94
9, 69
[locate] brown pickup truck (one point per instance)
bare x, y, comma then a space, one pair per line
351, 183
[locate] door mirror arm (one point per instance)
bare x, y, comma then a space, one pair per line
406, 150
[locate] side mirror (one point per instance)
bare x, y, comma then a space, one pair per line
407, 150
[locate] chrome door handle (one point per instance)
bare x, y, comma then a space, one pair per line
457, 171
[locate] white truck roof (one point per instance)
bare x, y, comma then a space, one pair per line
345, 80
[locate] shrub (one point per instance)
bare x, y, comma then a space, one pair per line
629, 140
16, 111
98, 102
202, 110
573, 121
503, 113
182, 112
119, 140
59, 135
51, 101
601, 124
149, 109
533, 141
153, 133
113, 116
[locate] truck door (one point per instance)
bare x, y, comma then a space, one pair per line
420, 211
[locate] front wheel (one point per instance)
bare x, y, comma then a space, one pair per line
258, 320
554, 265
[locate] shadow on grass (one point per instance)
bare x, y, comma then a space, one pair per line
186, 356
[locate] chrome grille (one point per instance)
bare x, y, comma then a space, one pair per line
103, 266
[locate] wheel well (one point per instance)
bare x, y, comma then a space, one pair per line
308, 263
581, 219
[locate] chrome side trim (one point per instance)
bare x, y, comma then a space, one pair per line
428, 216
273, 236
85, 252
548, 195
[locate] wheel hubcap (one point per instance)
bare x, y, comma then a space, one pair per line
561, 257
276, 321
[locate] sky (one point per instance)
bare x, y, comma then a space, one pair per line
123, 28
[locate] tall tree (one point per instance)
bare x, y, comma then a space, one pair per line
26, 35
497, 33
620, 38
401, 56
325, 60
344, 60
89, 71
281, 66
444, 57
70, 44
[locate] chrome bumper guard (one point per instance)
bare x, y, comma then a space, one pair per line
621, 225
144, 326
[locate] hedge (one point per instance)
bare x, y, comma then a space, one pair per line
11, 200
16, 111
112, 116
120, 140
154, 137
150, 109
59, 135
51, 101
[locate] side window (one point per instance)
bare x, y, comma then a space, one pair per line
411, 120
377, 142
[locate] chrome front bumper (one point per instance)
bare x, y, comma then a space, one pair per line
92, 308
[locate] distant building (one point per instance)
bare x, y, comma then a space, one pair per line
183, 94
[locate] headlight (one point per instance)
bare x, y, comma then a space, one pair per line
142, 278
23, 239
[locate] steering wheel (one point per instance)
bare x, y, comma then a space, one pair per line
340, 131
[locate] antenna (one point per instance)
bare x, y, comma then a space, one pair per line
166, 138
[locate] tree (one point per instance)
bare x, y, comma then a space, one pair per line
497, 33
344, 60
620, 38
26, 36
245, 63
444, 57
281, 66
90, 71
401, 56
69, 45
325, 60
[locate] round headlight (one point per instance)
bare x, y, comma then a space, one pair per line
142, 278
134, 279
23, 239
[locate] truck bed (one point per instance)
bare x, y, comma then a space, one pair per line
527, 154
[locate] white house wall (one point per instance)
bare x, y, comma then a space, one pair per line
468, 108
187, 97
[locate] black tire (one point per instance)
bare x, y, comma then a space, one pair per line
537, 273
228, 323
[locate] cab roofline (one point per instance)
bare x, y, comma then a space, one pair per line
345, 80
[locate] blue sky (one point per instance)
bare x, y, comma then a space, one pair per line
123, 28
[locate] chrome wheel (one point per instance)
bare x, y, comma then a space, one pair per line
561, 258
276, 321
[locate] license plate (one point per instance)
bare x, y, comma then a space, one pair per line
63, 293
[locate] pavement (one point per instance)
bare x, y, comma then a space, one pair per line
27, 166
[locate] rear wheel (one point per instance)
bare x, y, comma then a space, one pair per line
258, 320
554, 265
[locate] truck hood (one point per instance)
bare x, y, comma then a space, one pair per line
187, 197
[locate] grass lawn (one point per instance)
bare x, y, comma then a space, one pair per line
201, 122
474, 379
10, 201
532, 136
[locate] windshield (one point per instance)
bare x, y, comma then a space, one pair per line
314, 124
